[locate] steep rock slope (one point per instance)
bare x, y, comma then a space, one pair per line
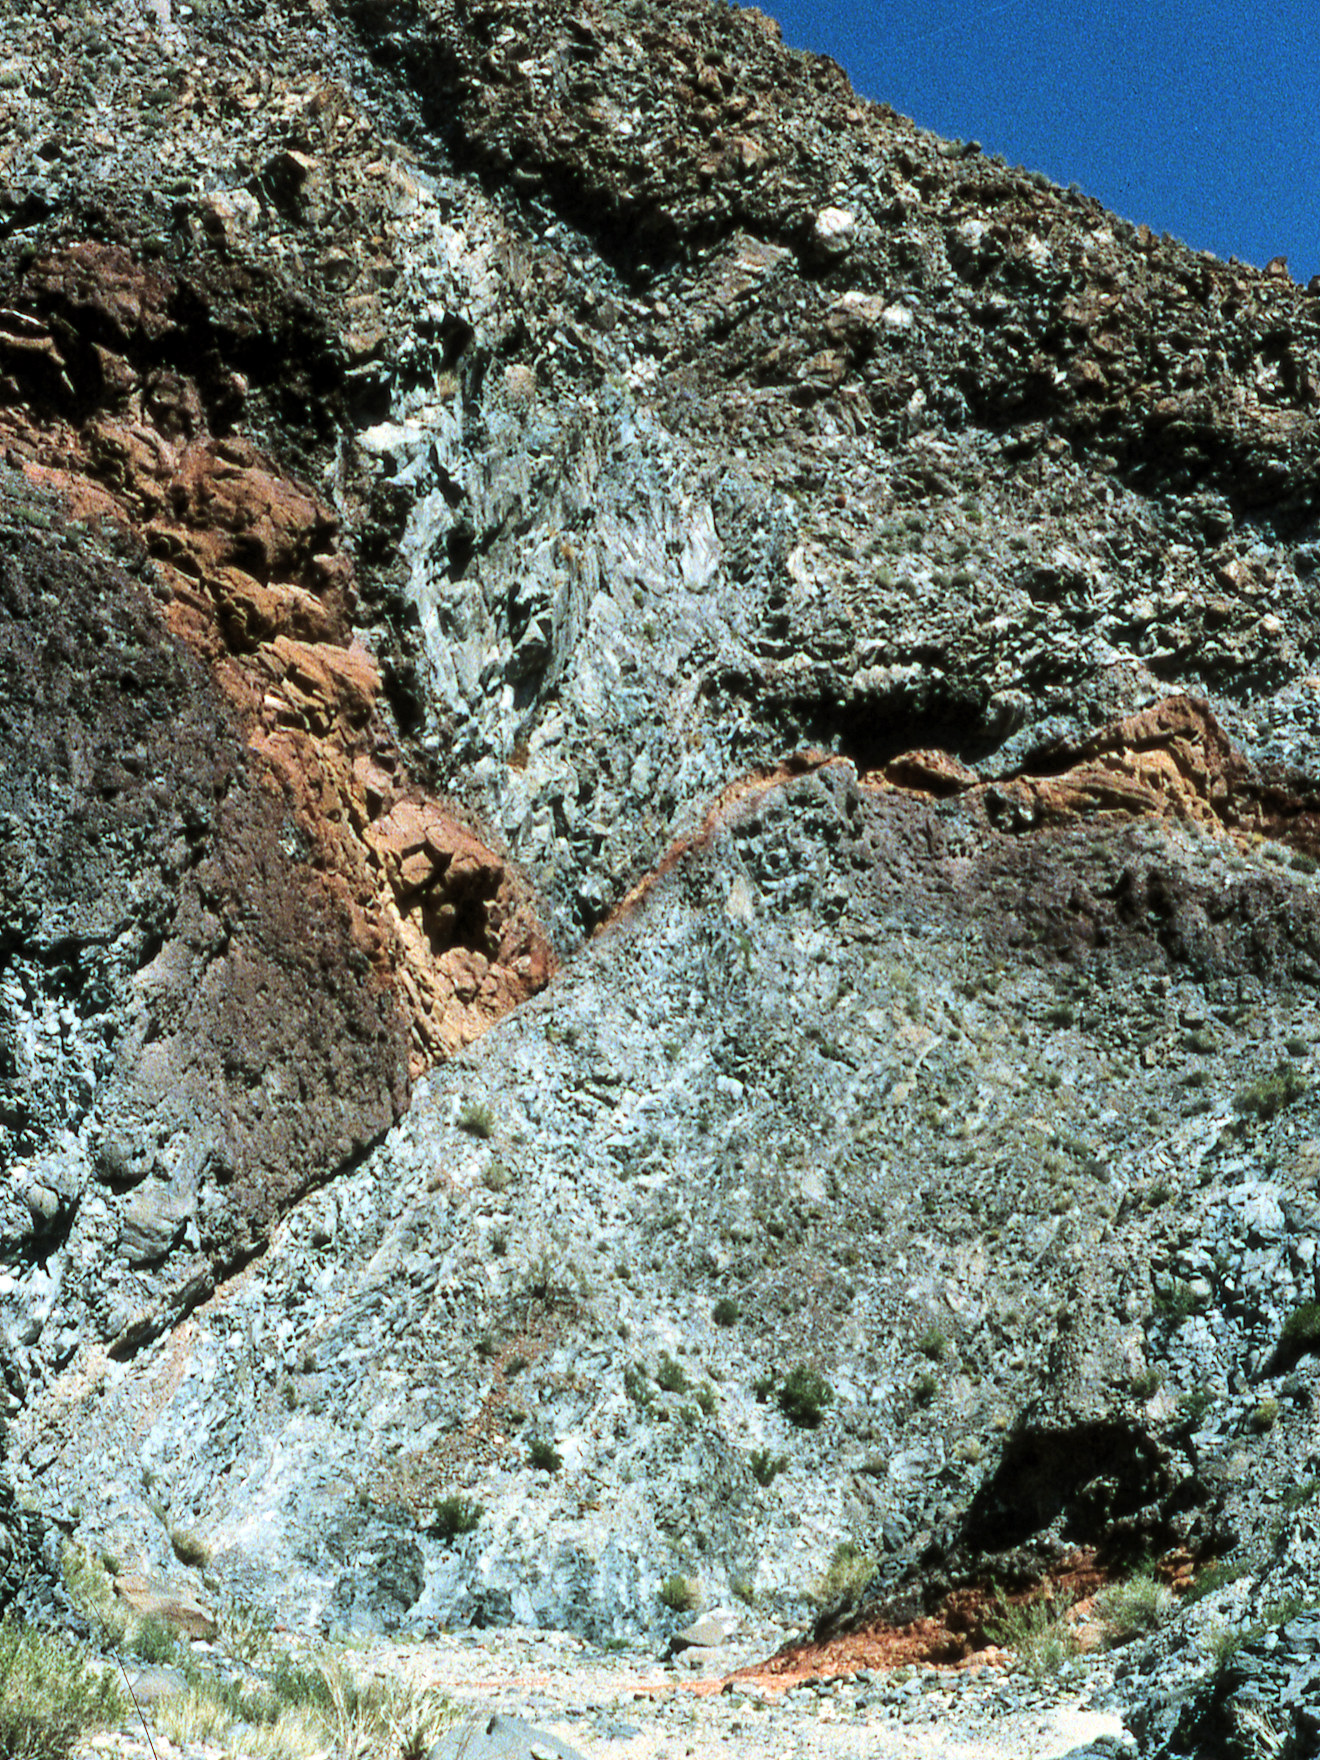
875, 586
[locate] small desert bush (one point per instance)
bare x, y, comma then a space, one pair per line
497, 1177
1040, 1640
1300, 1334
303, 1710
804, 1396
247, 1633
190, 1548
1135, 1607
934, 1345
766, 1465
850, 1570
455, 1516
477, 1119
726, 1312
90, 1585
680, 1594
50, 1695
543, 1455
153, 1641
1269, 1094
671, 1376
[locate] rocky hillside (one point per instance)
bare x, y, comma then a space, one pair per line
658, 901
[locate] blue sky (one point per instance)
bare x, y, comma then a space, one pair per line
1200, 117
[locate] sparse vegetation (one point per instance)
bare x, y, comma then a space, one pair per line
456, 1515
850, 1570
1194, 1404
766, 1466
50, 1696
89, 1581
671, 1376
1135, 1607
543, 1455
497, 1177
301, 1711
1300, 1334
707, 1399
190, 1548
804, 1396
1175, 1303
476, 1118
1147, 1384
1265, 1416
1270, 1093
924, 1388
1040, 1639
934, 1345
1215, 1576
680, 1594
726, 1312
153, 1641
637, 1385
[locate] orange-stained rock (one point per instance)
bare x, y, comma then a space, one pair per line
263, 592
151, 1599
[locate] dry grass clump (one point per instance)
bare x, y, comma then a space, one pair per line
1135, 1607
51, 1696
850, 1570
1040, 1638
302, 1710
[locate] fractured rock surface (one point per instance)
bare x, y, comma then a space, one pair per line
475, 467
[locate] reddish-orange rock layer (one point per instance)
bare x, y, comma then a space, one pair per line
112, 391
1172, 760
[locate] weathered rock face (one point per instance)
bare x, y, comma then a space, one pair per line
872, 588
191, 1034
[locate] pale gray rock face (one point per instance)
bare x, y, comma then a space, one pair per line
539, 1365
658, 469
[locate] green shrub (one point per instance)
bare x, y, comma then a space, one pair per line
1040, 1640
637, 1385
153, 1641
89, 1581
1194, 1404
763, 1387
1215, 1576
706, 1398
1147, 1385
850, 1570
1269, 1094
1135, 1607
247, 1633
680, 1594
804, 1395
1300, 1334
766, 1466
190, 1548
726, 1312
1265, 1416
934, 1345
544, 1455
671, 1376
497, 1177
477, 1119
1175, 1304
455, 1516
924, 1388
50, 1696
